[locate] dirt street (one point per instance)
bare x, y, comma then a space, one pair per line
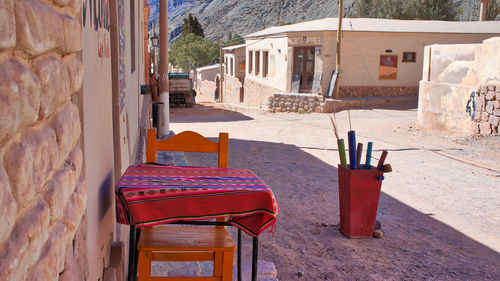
439, 208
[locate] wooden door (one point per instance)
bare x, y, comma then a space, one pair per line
303, 65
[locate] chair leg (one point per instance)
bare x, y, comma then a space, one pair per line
218, 263
144, 265
227, 270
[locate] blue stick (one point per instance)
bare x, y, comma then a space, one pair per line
351, 138
369, 155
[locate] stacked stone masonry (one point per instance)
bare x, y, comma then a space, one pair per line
301, 103
42, 188
375, 91
487, 116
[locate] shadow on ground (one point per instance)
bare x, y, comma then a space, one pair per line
415, 247
205, 113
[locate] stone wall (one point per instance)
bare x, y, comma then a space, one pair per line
42, 188
301, 103
373, 91
487, 116
257, 94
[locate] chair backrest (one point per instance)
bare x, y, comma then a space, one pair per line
188, 141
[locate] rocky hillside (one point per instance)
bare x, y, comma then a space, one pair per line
219, 17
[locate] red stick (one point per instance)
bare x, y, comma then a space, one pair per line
382, 159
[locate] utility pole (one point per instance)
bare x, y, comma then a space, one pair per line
482, 10
164, 96
221, 55
339, 37
154, 51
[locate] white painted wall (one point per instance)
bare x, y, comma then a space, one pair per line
97, 138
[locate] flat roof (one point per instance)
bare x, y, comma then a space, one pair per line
234, 47
385, 25
208, 67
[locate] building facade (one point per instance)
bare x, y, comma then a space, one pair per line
378, 57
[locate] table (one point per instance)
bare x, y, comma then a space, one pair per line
150, 194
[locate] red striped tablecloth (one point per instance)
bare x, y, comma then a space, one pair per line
149, 194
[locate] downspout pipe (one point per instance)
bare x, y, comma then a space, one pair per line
163, 71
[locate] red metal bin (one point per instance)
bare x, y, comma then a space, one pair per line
359, 192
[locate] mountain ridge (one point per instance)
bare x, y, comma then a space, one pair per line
219, 17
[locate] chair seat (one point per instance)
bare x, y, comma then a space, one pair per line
185, 238
186, 243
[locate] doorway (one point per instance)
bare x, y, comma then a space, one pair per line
303, 66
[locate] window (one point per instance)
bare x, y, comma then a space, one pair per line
132, 36
265, 63
227, 66
231, 63
409, 57
257, 62
250, 64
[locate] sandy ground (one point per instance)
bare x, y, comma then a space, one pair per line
439, 208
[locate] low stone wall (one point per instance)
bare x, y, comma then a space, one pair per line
301, 103
256, 94
487, 117
373, 91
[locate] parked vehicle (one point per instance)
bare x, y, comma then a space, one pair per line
181, 90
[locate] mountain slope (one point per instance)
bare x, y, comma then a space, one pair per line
219, 17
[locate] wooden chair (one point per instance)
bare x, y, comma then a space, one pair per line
186, 242
188, 141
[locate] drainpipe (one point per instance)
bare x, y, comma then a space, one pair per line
163, 71
482, 10
221, 55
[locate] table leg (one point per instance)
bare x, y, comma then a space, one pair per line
255, 256
132, 249
239, 256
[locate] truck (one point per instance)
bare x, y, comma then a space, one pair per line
181, 90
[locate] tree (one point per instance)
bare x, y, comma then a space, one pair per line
191, 25
406, 9
191, 51
234, 39
493, 9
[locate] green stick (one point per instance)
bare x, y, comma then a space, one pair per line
341, 146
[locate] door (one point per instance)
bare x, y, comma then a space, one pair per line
303, 65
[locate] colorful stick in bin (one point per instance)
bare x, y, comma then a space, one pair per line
340, 144
351, 139
359, 152
368, 155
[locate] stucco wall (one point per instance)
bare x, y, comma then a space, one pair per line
42, 187
278, 48
256, 94
204, 84
232, 88
451, 73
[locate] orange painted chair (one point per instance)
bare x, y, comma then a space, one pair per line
186, 242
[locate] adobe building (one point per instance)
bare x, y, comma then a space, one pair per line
460, 88
71, 109
206, 79
290, 64
234, 74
